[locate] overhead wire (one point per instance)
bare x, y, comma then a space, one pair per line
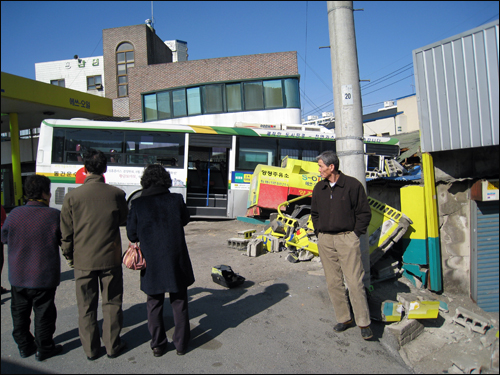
82, 70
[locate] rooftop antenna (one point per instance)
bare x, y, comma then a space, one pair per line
152, 17
150, 22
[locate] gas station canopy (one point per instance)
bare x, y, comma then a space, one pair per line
35, 101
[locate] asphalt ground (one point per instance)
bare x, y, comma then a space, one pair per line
280, 320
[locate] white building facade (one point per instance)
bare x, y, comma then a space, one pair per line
80, 74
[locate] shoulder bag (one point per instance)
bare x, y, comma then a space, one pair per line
133, 257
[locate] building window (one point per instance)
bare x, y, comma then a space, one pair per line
58, 82
124, 61
150, 107
193, 101
292, 97
221, 98
164, 111
233, 97
179, 103
212, 98
253, 95
273, 94
94, 83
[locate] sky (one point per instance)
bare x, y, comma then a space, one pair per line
386, 34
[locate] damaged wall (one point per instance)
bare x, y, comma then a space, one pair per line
454, 230
466, 163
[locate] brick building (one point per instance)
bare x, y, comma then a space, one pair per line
138, 62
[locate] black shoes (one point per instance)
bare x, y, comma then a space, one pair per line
340, 327
366, 333
28, 352
42, 356
121, 348
160, 350
180, 353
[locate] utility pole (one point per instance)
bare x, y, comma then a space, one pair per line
347, 102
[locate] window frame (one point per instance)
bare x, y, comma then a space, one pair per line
59, 81
94, 86
125, 65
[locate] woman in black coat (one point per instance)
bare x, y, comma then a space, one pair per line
156, 220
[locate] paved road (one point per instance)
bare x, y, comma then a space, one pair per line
279, 321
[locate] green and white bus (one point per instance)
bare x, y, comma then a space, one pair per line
211, 166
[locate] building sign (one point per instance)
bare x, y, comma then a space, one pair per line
95, 62
81, 103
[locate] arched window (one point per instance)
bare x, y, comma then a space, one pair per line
124, 61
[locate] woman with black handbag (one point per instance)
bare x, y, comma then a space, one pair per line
156, 220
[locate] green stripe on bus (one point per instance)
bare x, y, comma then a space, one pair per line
234, 131
62, 180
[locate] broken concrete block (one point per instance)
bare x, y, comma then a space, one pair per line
246, 234
255, 247
471, 320
406, 299
405, 331
443, 306
466, 365
391, 311
237, 243
305, 255
275, 244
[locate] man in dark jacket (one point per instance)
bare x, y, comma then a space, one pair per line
341, 214
33, 237
90, 219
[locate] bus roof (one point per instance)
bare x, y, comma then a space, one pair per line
272, 132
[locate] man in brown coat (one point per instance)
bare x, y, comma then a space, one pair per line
90, 219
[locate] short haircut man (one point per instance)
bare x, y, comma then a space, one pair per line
33, 236
91, 242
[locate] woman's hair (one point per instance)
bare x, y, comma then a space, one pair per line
155, 174
95, 161
35, 185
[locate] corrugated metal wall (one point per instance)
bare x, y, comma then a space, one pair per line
457, 84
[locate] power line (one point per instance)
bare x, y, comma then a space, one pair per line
317, 75
390, 75
390, 84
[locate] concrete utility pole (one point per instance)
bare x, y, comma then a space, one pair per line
347, 102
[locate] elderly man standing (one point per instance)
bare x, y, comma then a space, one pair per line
90, 219
340, 214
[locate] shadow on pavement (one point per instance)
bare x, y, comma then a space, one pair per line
10, 367
221, 314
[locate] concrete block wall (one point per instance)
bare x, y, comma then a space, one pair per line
454, 222
75, 77
163, 76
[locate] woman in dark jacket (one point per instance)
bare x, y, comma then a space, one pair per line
156, 220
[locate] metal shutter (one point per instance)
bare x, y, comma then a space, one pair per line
485, 258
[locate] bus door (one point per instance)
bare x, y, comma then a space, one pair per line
207, 179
